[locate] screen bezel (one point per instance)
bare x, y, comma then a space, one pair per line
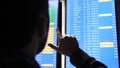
117, 10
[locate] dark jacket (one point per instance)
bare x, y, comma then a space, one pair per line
82, 60
17, 59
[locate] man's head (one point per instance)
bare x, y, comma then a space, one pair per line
30, 28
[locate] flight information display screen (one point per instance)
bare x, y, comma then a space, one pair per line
93, 22
47, 58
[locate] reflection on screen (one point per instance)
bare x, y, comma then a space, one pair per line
93, 22
47, 58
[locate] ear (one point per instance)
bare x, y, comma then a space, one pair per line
43, 28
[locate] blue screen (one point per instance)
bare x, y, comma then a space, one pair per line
93, 22
47, 58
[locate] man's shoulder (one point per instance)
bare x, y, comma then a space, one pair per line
17, 60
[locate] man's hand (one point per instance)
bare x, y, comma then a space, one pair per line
66, 44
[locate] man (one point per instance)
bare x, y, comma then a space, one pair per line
28, 25
28, 34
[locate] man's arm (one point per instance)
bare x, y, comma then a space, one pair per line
82, 60
69, 46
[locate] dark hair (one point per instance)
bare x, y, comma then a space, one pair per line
23, 21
